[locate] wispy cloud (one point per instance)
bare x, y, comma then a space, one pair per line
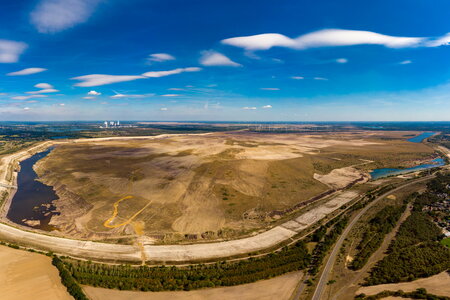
298, 77
51, 16
43, 91
249, 108
119, 96
103, 79
156, 74
10, 51
332, 38
170, 95
270, 89
342, 60
27, 71
213, 58
405, 62
163, 109
320, 78
160, 57
267, 106
28, 97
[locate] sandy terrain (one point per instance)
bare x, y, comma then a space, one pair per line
437, 285
105, 251
279, 288
214, 185
26, 275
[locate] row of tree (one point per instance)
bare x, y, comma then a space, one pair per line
375, 231
325, 242
417, 294
145, 278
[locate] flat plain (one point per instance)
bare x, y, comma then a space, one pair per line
26, 275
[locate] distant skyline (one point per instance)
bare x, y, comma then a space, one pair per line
251, 60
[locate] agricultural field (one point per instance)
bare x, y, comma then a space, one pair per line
207, 186
28, 275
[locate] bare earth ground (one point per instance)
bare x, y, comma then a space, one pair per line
279, 288
26, 275
437, 285
219, 185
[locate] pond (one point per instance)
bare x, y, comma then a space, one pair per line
379, 173
32, 203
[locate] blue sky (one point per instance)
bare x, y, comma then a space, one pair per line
245, 60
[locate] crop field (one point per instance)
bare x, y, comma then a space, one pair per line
210, 186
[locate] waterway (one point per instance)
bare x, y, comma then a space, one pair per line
421, 137
380, 173
33, 199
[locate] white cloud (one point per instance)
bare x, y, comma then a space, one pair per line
298, 77
261, 41
320, 78
27, 71
250, 108
342, 60
213, 58
43, 86
88, 97
170, 95
163, 108
51, 16
43, 91
405, 62
118, 96
28, 97
160, 57
441, 41
323, 38
102, 79
10, 51
176, 89
156, 74
270, 89
267, 106
94, 93
61, 104
26, 108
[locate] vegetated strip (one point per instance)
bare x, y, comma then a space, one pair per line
416, 251
145, 278
68, 281
417, 294
325, 241
381, 224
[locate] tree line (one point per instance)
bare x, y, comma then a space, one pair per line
381, 224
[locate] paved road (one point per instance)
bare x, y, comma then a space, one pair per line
332, 258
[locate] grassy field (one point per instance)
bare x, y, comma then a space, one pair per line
446, 242
220, 185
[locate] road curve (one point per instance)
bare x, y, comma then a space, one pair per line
332, 258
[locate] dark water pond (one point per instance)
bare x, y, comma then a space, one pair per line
379, 173
421, 137
33, 199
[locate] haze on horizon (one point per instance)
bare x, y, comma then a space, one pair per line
224, 60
